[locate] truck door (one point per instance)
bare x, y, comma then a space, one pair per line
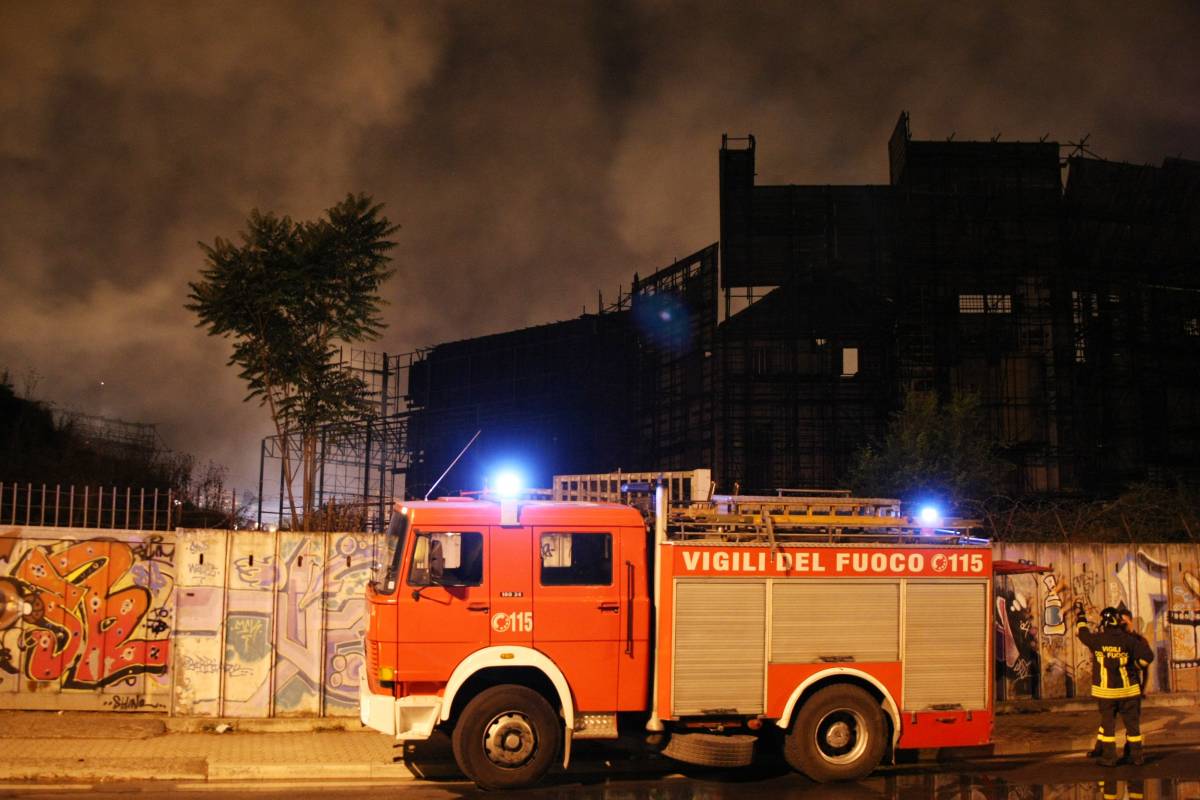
512, 617
577, 610
444, 606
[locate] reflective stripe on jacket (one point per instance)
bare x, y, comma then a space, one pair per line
1118, 658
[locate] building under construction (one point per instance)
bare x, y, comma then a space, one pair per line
1059, 287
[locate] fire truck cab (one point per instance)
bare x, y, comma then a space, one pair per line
521, 626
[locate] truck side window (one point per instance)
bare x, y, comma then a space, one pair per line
447, 558
576, 559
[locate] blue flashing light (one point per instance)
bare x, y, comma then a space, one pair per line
930, 516
509, 483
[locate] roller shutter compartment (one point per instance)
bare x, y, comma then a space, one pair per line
945, 645
816, 620
720, 643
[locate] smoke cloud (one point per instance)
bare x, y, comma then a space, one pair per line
533, 153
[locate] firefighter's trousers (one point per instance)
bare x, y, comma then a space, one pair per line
1130, 709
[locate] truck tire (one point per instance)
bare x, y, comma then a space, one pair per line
838, 735
506, 737
711, 750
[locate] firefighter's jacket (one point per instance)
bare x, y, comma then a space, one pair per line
1118, 658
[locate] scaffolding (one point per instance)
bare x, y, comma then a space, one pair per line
110, 435
804, 366
773, 357
361, 464
675, 320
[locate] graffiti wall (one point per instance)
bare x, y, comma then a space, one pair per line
1037, 654
86, 620
210, 623
237, 623
270, 624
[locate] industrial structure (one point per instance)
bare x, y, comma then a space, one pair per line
1059, 287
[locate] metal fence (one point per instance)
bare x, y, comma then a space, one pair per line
124, 508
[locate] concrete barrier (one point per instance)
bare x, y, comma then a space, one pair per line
1038, 657
249, 624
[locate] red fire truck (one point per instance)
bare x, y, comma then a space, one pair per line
521, 626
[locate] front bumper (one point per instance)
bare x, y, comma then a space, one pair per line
411, 718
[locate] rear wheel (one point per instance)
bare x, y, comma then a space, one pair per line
837, 736
506, 737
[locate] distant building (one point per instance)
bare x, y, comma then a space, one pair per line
1073, 311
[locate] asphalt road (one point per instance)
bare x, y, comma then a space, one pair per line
1170, 774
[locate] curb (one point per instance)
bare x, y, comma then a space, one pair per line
123, 769
264, 724
228, 771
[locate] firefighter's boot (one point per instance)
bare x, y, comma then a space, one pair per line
1108, 754
1136, 756
1096, 751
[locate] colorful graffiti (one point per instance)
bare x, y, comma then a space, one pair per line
87, 614
1033, 619
254, 624
287, 639
1183, 617
1017, 634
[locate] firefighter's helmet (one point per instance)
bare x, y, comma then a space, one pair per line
1110, 618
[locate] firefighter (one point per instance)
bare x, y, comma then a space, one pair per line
1119, 658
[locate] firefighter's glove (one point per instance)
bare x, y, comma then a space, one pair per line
1080, 612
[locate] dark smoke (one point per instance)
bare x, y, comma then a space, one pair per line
534, 153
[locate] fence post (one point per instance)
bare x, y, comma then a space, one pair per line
86, 491
170, 507
57, 501
112, 517
142, 509
28, 502
42, 516
128, 495
154, 524
71, 507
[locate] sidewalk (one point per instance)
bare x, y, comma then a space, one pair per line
109, 747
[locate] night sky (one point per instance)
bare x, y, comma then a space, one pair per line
534, 153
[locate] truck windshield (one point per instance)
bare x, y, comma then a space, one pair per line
393, 551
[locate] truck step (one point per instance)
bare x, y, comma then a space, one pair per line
596, 726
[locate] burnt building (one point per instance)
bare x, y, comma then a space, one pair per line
1062, 290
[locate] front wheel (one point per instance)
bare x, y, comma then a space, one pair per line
837, 736
506, 737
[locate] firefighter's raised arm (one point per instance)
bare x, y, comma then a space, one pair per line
1081, 624
1142, 652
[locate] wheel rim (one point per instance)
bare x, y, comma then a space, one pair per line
841, 736
509, 740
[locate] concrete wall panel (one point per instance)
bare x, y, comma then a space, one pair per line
88, 618
1183, 616
201, 558
1055, 630
300, 629
347, 573
255, 624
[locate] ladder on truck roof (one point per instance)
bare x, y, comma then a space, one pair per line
790, 516
758, 520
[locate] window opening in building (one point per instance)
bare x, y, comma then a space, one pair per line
849, 362
985, 304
